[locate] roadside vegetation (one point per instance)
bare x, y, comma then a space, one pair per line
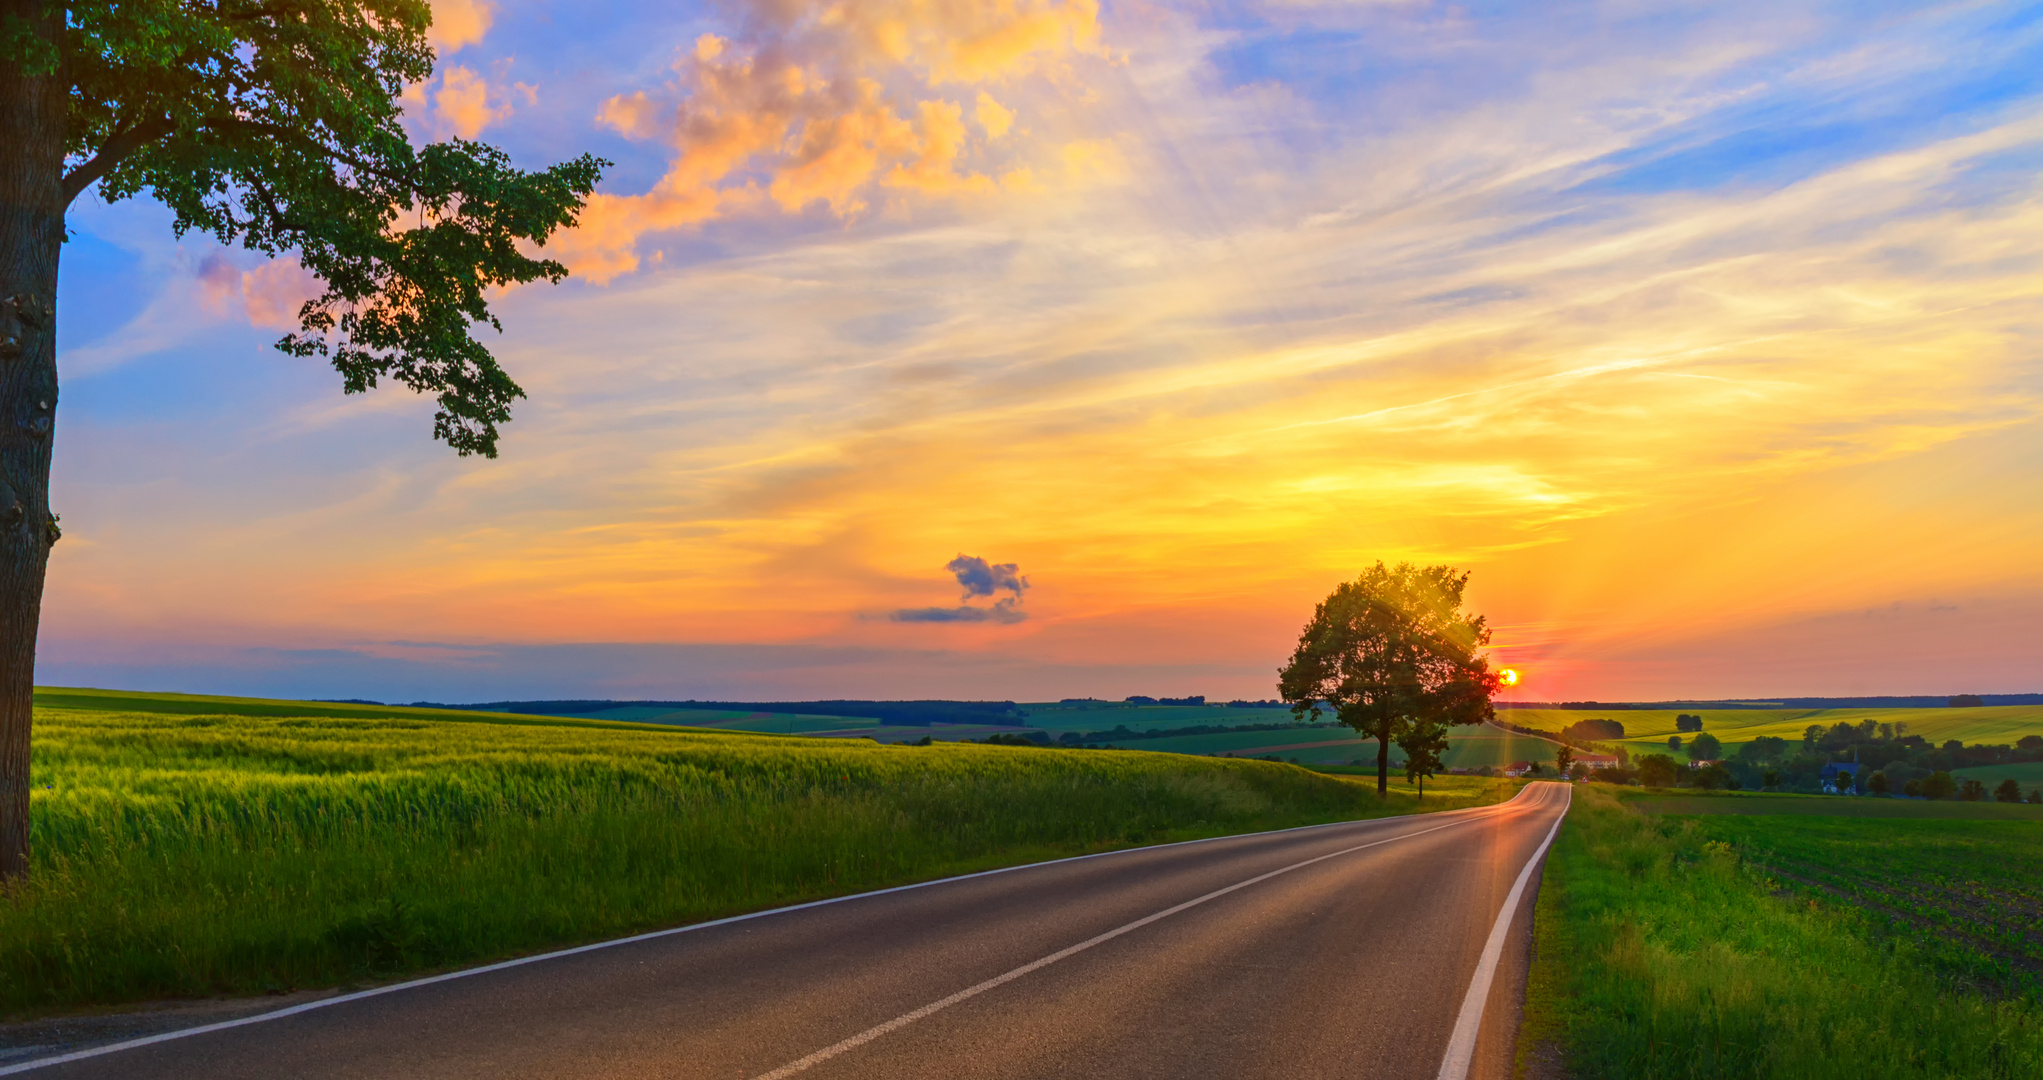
1869, 756
190, 846
1773, 946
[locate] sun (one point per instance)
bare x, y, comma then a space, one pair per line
1507, 676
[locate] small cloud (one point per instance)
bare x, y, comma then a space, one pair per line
1004, 611
981, 578
458, 23
978, 578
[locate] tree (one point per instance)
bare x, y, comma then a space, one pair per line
1688, 722
1770, 779
1939, 786
2036, 795
1674, 742
1389, 650
1423, 744
1659, 770
2008, 791
1972, 791
1705, 747
1843, 783
1564, 759
1713, 776
273, 124
1877, 784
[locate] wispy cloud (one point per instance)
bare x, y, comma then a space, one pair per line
1367, 281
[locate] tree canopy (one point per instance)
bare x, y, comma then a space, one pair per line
274, 125
1390, 650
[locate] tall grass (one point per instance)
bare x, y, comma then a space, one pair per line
1660, 954
193, 854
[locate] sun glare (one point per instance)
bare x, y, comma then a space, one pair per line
1508, 676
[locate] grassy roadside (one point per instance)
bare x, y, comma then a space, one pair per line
273, 846
1660, 952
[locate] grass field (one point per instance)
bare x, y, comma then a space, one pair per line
1676, 947
1647, 730
193, 846
1841, 806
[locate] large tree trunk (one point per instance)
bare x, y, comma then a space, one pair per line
1383, 764
32, 111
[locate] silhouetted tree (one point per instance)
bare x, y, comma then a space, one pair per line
1423, 744
2008, 791
1389, 650
1705, 747
274, 124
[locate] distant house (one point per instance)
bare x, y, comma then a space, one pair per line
1518, 768
1594, 762
1831, 770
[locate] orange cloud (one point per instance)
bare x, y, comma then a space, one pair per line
817, 103
463, 103
459, 23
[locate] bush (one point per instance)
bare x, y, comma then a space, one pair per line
1939, 786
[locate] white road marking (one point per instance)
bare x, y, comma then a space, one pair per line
1461, 1046
342, 999
908, 1018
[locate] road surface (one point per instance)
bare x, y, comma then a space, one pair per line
1345, 950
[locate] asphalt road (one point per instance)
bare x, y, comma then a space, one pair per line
1339, 951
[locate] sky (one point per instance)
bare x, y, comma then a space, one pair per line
1028, 349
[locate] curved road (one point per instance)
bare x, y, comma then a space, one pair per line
1343, 950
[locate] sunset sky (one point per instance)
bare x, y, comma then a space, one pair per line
1038, 348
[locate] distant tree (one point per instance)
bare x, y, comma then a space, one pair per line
1423, 744
1939, 786
1913, 789
1966, 701
2035, 795
1972, 790
1593, 730
1770, 779
1390, 650
2030, 742
1811, 736
1952, 746
1764, 748
1688, 722
1659, 770
1713, 777
1877, 783
1705, 747
1843, 783
1564, 757
276, 126
1674, 742
2008, 791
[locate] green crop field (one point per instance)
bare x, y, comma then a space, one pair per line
193, 846
1647, 730
2029, 774
1786, 945
1105, 716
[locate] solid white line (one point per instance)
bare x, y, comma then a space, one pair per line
1461, 1046
342, 999
908, 1018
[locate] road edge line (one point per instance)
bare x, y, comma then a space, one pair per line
1461, 1045
504, 965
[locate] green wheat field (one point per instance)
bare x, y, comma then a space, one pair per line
189, 846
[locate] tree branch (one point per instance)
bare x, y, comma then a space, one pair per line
118, 146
